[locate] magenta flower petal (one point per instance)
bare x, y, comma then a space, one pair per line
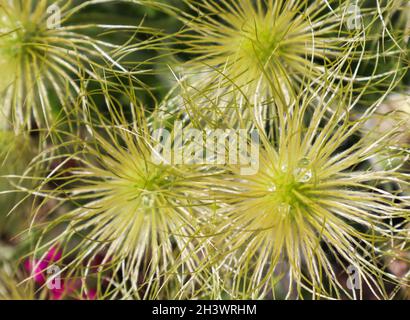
36, 268
57, 294
53, 255
91, 294
28, 265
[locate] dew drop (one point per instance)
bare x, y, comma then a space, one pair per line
284, 168
305, 175
284, 209
147, 201
169, 178
272, 187
303, 163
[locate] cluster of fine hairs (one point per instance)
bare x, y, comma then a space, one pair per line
204, 149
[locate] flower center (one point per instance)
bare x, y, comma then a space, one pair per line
152, 185
262, 39
18, 37
287, 187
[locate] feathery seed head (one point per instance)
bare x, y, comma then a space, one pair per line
45, 58
306, 207
140, 215
266, 49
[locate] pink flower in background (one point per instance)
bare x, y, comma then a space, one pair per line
57, 294
69, 288
90, 295
53, 255
38, 269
